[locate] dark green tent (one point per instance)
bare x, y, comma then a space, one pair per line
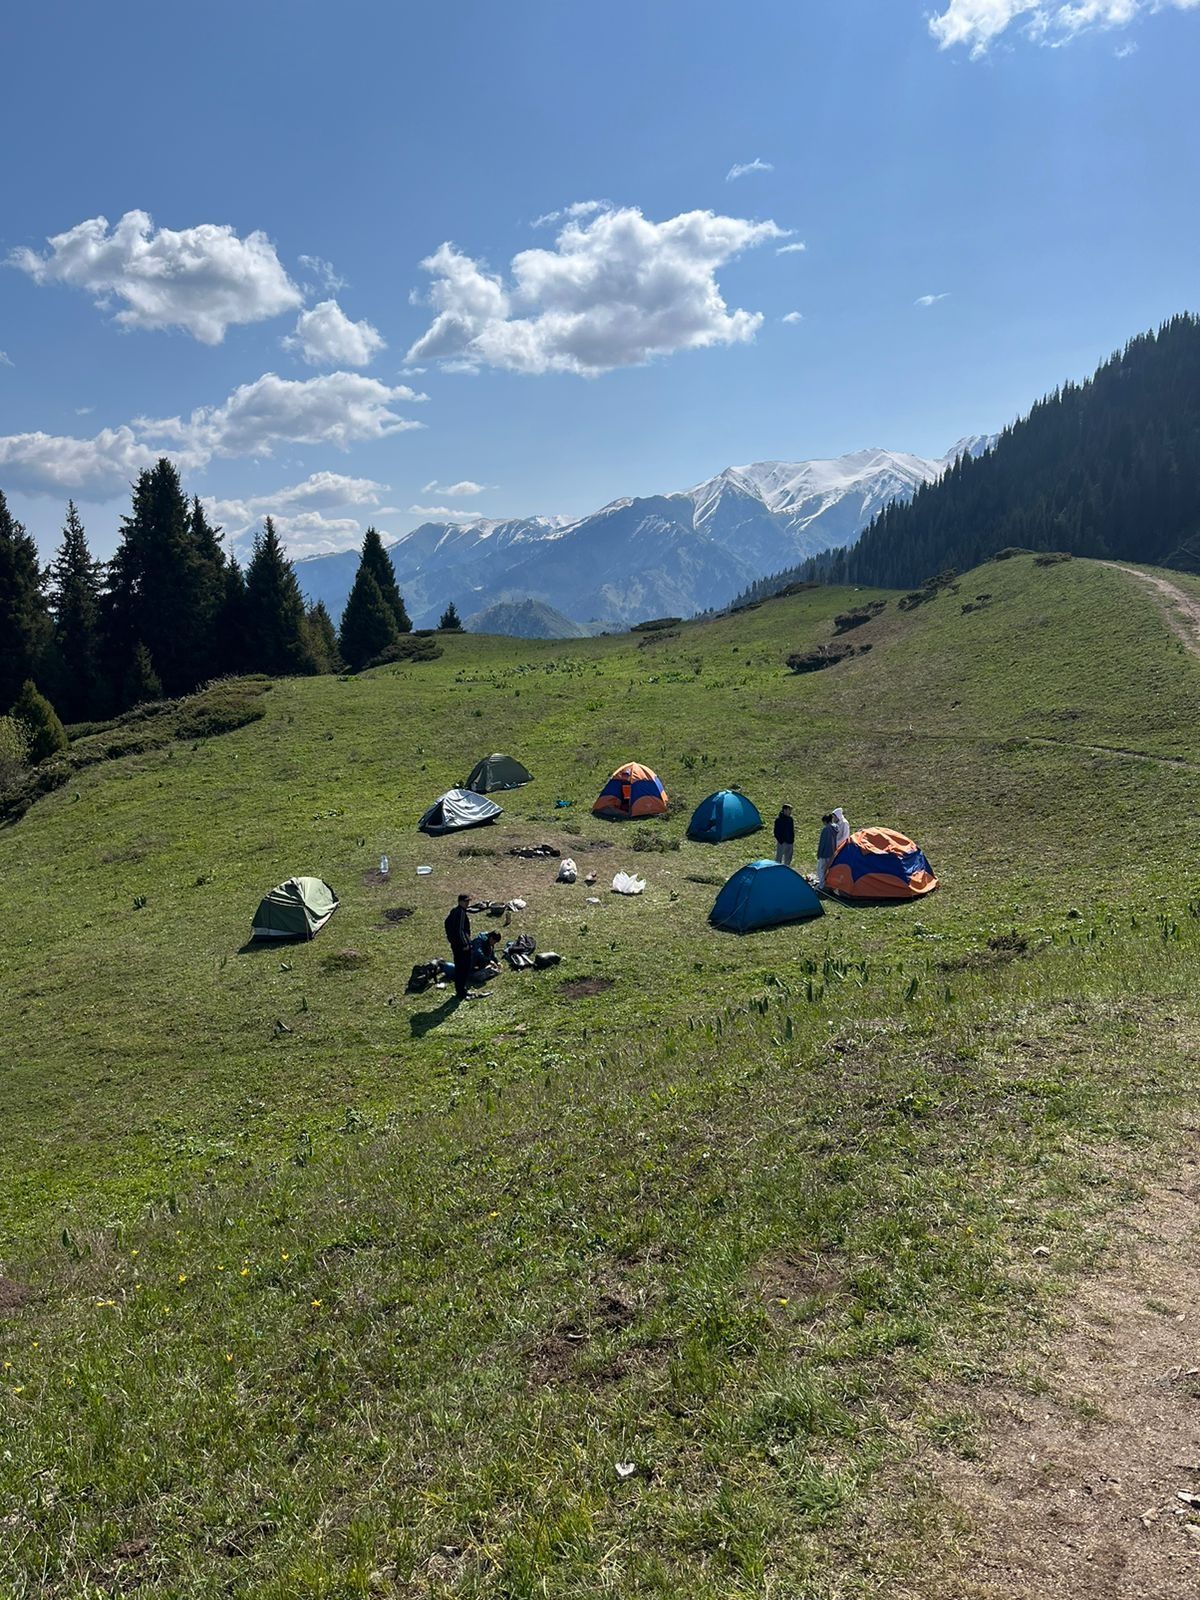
497, 772
297, 909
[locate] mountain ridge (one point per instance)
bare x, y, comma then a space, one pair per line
638, 556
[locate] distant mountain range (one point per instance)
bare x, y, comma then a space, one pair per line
671, 554
527, 619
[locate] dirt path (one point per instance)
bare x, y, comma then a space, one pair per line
1182, 610
1088, 1446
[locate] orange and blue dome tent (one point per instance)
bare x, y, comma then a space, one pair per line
632, 791
880, 864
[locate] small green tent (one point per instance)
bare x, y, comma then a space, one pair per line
497, 772
297, 909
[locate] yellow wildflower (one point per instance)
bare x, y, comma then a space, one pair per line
316, 1305
283, 1255
245, 1272
183, 1277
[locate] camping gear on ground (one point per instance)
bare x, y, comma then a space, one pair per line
531, 852
632, 791
518, 952
497, 772
567, 871
423, 872
762, 895
546, 958
879, 864
561, 805
628, 883
297, 909
422, 975
728, 814
593, 900
384, 865
591, 878
517, 905
458, 808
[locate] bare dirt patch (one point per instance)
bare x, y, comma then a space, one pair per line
396, 914
554, 1358
1076, 1492
12, 1295
581, 988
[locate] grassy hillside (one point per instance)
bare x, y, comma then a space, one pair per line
319, 1289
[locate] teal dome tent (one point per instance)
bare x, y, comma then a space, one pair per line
724, 815
762, 895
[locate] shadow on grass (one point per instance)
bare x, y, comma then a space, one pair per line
258, 947
424, 1021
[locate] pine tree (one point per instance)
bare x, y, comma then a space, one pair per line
210, 569
46, 733
142, 683
230, 630
25, 628
75, 603
155, 584
323, 641
275, 631
450, 621
368, 622
379, 564
14, 751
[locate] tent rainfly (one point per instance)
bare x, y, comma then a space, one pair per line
728, 814
297, 909
763, 894
458, 808
497, 772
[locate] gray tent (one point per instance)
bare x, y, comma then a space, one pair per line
497, 772
297, 909
458, 808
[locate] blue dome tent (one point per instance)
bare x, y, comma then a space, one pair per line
724, 815
763, 894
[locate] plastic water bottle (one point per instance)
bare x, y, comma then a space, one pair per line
383, 866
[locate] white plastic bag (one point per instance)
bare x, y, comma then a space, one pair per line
567, 871
628, 883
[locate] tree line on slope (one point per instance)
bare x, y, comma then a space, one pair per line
1108, 468
170, 611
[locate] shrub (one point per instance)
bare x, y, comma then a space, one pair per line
47, 736
648, 840
855, 619
1051, 558
825, 655
655, 623
408, 647
14, 751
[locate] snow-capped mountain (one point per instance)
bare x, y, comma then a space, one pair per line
651, 556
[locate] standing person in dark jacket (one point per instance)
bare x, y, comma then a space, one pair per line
826, 847
785, 836
458, 933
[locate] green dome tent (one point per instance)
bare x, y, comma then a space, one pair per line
497, 772
297, 909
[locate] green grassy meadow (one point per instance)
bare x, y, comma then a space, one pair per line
314, 1288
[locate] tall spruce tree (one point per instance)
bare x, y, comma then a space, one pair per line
165, 585
142, 683
450, 621
46, 733
25, 627
368, 622
231, 646
75, 604
379, 564
275, 625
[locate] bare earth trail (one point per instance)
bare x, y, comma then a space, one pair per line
1091, 1445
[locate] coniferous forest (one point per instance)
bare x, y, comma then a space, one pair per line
170, 611
1108, 468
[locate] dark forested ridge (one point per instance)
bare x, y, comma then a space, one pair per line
1105, 468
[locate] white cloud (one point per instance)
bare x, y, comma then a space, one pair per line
326, 337
202, 279
94, 469
299, 512
468, 369
465, 486
739, 169
1123, 51
323, 272
930, 299
5, 359
613, 292
793, 316
338, 408
444, 514
978, 23
412, 372
792, 249
572, 213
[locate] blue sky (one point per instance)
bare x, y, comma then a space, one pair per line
295, 164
